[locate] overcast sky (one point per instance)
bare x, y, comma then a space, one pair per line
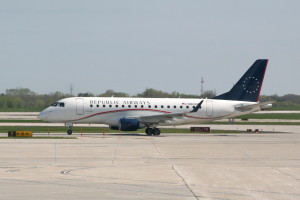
129, 46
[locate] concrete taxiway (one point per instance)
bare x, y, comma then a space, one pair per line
135, 166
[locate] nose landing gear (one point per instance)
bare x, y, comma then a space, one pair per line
70, 126
69, 131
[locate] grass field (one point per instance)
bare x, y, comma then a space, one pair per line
20, 121
39, 137
259, 123
21, 109
99, 130
291, 108
285, 116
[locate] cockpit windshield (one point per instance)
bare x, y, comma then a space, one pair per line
58, 104
54, 104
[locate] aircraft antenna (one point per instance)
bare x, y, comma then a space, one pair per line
202, 86
71, 90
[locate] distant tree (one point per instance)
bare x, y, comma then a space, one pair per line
208, 94
189, 96
87, 94
19, 102
25, 98
21, 92
110, 93
39, 103
150, 92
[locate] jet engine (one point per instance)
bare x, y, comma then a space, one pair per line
128, 125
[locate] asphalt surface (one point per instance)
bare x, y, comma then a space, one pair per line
135, 166
263, 165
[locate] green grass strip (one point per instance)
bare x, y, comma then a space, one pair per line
256, 123
38, 137
285, 116
102, 130
20, 121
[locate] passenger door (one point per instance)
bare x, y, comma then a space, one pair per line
209, 108
79, 106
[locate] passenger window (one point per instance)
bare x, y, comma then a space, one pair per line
168, 106
123, 106
155, 106
135, 106
142, 106
117, 106
91, 105
187, 106
174, 106
129, 106
110, 106
180, 106
162, 106
149, 106
97, 106
103, 106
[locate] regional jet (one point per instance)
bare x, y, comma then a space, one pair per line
131, 114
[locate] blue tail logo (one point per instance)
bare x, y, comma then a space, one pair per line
249, 86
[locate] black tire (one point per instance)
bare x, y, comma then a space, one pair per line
156, 131
69, 132
149, 131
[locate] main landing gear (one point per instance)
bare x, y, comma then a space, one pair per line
152, 131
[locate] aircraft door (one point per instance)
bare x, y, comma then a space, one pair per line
79, 106
209, 108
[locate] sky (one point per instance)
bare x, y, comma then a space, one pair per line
131, 45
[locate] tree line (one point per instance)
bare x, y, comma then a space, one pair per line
24, 98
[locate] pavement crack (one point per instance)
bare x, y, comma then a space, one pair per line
160, 154
115, 156
185, 182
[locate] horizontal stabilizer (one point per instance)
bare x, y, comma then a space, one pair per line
260, 106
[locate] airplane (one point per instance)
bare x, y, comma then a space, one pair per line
131, 114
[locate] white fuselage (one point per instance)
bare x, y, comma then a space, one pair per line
109, 110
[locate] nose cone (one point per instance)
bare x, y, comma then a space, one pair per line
43, 116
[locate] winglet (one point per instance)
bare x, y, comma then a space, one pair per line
197, 107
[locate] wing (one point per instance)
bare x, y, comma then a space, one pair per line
156, 119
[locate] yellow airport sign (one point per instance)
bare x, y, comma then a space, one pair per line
19, 133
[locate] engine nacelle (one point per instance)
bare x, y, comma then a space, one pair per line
128, 125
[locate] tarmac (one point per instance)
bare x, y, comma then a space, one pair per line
169, 166
264, 165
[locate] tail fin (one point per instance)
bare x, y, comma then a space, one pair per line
249, 86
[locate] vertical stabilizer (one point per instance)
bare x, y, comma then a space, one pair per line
249, 86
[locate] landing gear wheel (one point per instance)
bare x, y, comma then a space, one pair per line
70, 126
69, 132
149, 131
156, 131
